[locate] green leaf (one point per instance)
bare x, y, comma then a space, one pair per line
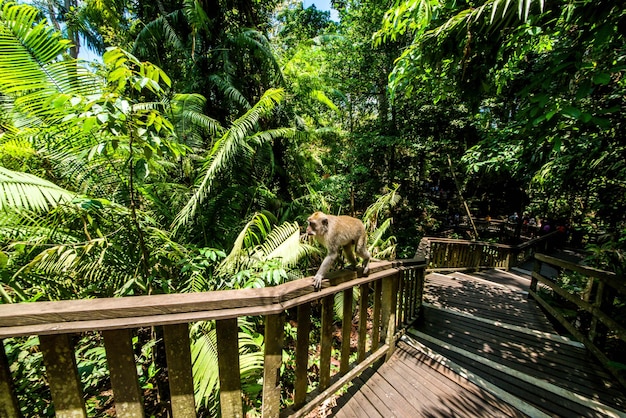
571, 112
141, 169
23, 190
4, 260
601, 78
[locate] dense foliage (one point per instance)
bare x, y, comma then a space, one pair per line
188, 156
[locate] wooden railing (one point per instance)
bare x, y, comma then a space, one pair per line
443, 254
597, 301
392, 293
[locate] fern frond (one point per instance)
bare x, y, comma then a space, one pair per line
283, 243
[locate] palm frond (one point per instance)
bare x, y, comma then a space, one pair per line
190, 122
256, 41
31, 68
229, 90
383, 203
23, 190
379, 246
259, 243
157, 32
252, 233
501, 14
321, 97
204, 364
223, 153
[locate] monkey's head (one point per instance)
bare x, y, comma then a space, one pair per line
317, 224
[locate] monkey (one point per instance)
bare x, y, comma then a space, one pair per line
334, 233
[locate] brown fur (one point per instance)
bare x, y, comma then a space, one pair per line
335, 233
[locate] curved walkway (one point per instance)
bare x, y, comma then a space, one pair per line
483, 349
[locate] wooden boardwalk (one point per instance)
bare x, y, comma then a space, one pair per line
484, 350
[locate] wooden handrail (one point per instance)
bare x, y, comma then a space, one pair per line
605, 286
608, 277
454, 254
398, 288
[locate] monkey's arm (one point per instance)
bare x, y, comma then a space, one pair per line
326, 265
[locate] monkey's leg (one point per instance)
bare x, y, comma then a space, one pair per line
361, 250
347, 250
326, 265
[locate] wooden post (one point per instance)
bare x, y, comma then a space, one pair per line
594, 334
123, 371
507, 260
378, 286
302, 354
478, 256
363, 305
420, 278
326, 341
410, 277
533, 280
228, 363
65, 386
605, 295
274, 333
346, 331
8, 402
402, 296
390, 299
178, 352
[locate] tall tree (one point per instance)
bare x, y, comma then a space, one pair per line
545, 84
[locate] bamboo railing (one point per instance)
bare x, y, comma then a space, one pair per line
443, 254
392, 292
603, 287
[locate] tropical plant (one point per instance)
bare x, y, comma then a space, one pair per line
380, 245
238, 141
264, 255
206, 370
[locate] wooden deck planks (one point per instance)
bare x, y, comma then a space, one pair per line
487, 327
480, 299
527, 351
559, 364
550, 403
407, 386
443, 382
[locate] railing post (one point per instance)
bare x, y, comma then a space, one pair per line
533, 279
405, 294
346, 330
302, 354
507, 262
378, 286
178, 354
123, 371
389, 301
65, 386
274, 333
228, 363
8, 402
604, 299
420, 279
326, 341
363, 305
